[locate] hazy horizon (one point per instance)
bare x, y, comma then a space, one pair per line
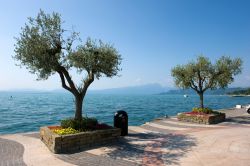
164, 88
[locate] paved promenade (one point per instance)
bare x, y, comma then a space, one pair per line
164, 141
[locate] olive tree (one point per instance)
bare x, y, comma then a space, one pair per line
201, 75
45, 48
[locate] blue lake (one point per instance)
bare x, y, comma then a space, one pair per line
27, 111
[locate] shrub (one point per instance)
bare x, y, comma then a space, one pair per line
65, 131
102, 126
81, 125
202, 110
195, 113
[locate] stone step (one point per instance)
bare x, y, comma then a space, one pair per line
165, 126
172, 124
140, 129
155, 129
167, 121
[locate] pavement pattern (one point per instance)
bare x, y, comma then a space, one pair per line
11, 153
164, 141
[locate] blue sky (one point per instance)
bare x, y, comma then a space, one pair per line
151, 35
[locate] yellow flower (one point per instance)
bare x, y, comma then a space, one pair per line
65, 131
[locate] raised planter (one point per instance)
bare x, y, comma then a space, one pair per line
202, 119
75, 142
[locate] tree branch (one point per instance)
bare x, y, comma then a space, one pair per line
203, 80
211, 81
200, 81
87, 83
69, 80
193, 86
63, 81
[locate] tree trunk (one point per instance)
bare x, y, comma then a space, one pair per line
78, 103
201, 100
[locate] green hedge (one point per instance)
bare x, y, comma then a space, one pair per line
203, 110
81, 125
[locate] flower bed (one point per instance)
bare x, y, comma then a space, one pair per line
203, 118
75, 142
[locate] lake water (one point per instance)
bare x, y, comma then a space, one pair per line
27, 111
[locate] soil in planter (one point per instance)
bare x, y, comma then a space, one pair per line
54, 127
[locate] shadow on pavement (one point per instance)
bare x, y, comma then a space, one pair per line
239, 119
135, 149
152, 148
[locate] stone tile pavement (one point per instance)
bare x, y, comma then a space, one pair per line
11, 153
160, 142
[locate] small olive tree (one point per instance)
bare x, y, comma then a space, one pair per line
202, 75
44, 49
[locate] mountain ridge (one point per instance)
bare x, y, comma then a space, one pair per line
139, 89
208, 92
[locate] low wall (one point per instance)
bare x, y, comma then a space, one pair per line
75, 142
202, 119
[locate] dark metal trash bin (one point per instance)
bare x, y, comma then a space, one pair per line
121, 121
248, 110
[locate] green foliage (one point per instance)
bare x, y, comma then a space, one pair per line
81, 125
97, 58
202, 74
186, 75
45, 48
203, 110
39, 45
240, 92
65, 131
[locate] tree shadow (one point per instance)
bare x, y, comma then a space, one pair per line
152, 148
239, 119
139, 148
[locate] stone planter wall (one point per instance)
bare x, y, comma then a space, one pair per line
202, 119
75, 142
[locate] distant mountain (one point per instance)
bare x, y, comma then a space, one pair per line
208, 92
145, 89
141, 89
240, 92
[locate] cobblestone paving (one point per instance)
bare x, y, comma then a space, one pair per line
86, 159
11, 153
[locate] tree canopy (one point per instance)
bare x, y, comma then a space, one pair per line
201, 74
45, 48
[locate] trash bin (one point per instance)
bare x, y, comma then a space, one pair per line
248, 110
121, 121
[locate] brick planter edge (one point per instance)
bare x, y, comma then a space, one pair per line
202, 119
76, 142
